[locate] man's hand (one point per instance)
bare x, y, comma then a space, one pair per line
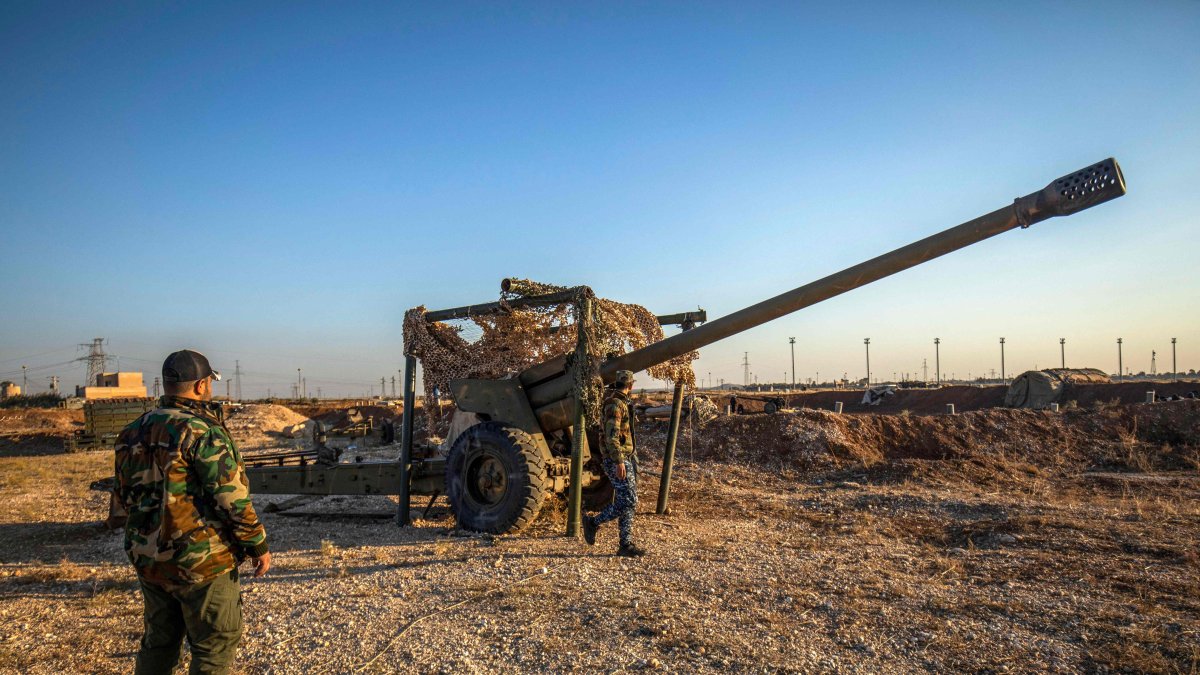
621, 471
261, 565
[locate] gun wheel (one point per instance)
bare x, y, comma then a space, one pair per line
495, 478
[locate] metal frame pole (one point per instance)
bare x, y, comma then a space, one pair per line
1062, 348
575, 494
579, 424
1174, 366
406, 437
664, 485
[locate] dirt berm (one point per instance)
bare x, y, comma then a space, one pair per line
965, 397
1164, 435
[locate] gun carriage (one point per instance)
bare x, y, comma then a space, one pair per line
533, 439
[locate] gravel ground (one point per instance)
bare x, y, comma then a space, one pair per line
753, 571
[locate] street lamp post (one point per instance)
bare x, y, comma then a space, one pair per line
792, 342
1062, 350
299, 384
1174, 368
937, 358
1002, 379
1120, 363
867, 343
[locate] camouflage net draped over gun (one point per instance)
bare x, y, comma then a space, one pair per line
514, 340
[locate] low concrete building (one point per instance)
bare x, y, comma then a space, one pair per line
8, 389
114, 385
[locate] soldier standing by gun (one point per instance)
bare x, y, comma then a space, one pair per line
620, 464
190, 523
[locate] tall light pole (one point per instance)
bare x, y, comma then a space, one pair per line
792, 342
1062, 350
1120, 363
937, 358
299, 383
24, 381
1002, 360
867, 343
1174, 368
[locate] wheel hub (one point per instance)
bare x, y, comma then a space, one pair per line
488, 480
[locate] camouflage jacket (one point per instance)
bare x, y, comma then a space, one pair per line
618, 435
181, 479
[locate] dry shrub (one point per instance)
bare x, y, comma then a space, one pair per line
329, 550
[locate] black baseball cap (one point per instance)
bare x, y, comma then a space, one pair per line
186, 366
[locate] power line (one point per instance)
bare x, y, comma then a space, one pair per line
34, 356
36, 369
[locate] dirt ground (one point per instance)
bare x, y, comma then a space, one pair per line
994, 541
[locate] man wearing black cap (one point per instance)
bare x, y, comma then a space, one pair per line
190, 521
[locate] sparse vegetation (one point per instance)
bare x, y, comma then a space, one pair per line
46, 400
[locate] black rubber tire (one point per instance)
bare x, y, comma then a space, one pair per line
770, 408
495, 449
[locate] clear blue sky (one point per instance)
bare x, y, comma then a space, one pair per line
278, 182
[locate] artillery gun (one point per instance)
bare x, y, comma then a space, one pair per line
532, 439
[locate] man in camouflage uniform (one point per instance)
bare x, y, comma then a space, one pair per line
620, 463
190, 523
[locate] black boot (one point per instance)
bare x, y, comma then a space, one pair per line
631, 550
589, 530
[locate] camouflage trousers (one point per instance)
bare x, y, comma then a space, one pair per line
624, 500
208, 614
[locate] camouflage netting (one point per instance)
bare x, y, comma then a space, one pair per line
519, 338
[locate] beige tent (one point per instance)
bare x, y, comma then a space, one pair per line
1037, 389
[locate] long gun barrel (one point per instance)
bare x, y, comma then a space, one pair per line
1070, 194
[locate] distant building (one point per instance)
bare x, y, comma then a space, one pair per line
9, 389
114, 385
